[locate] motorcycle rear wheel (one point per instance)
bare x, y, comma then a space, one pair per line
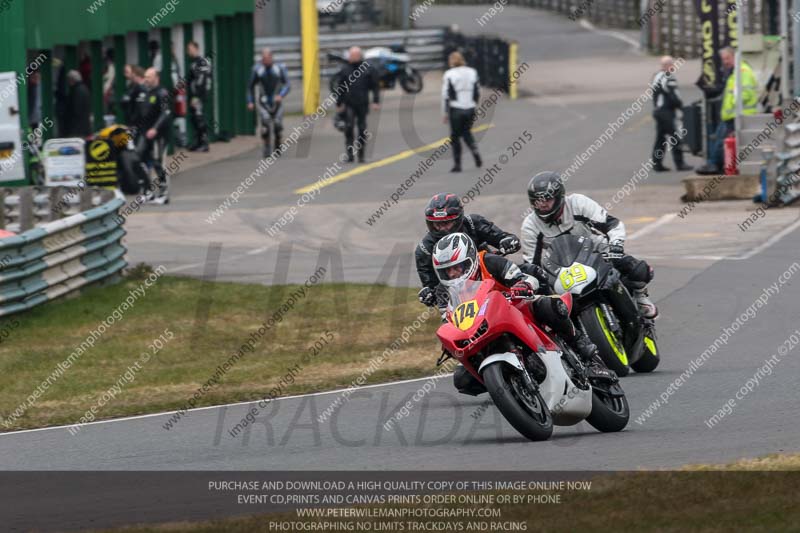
650, 356
611, 349
525, 410
411, 84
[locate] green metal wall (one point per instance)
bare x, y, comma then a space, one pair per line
30, 26
52, 22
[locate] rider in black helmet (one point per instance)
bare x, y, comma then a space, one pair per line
445, 215
556, 213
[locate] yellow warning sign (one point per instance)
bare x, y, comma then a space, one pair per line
100, 150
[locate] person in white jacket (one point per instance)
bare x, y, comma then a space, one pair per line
459, 97
556, 213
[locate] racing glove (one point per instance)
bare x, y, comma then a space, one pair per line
427, 296
537, 272
509, 245
615, 251
524, 289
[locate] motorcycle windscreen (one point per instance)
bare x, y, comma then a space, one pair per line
463, 306
567, 249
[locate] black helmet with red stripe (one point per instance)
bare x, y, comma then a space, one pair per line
444, 215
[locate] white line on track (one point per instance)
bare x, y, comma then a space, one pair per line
769, 242
167, 413
585, 24
652, 226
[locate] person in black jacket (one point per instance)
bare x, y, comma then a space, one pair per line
356, 80
666, 101
78, 108
199, 85
156, 118
445, 215
135, 95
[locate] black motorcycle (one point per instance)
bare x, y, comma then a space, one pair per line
603, 306
392, 65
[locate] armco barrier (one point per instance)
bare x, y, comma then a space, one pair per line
783, 182
425, 46
59, 257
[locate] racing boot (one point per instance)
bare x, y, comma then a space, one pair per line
646, 305
466, 383
587, 351
202, 145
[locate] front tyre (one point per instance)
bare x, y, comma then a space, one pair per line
524, 409
411, 82
132, 174
611, 349
650, 356
610, 411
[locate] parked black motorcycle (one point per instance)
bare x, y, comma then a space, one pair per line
603, 306
392, 65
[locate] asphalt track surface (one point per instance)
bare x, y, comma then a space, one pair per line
709, 274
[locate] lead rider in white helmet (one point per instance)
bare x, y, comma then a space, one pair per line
456, 259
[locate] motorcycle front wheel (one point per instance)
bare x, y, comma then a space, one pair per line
411, 83
131, 172
610, 413
524, 409
611, 349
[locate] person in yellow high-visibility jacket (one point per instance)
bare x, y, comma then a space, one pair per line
728, 110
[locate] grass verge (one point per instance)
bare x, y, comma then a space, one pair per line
207, 323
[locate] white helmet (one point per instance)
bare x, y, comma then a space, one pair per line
455, 259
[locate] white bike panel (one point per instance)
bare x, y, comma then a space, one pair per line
568, 403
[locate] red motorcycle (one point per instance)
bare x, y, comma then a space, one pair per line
533, 377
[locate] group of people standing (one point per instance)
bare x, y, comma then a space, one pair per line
358, 92
148, 109
667, 101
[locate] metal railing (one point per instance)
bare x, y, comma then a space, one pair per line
784, 187
426, 48
25, 208
62, 256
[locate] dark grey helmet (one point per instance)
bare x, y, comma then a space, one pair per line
544, 186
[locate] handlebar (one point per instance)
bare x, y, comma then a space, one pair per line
491, 249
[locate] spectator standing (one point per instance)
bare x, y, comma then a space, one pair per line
78, 108
716, 153
135, 98
356, 80
155, 120
273, 80
109, 73
60, 94
199, 85
666, 103
34, 100
460, 93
